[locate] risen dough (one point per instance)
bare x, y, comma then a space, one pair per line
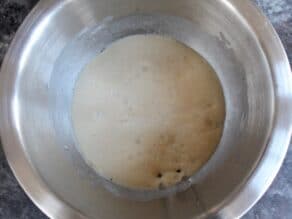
147, 112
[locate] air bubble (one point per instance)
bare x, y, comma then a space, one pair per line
159, 175
185, 178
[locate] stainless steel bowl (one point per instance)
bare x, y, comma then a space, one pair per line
60, 37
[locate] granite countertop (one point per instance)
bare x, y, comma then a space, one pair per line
277, 202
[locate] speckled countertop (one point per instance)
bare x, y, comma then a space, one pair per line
276, 204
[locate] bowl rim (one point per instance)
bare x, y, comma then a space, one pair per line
236, 205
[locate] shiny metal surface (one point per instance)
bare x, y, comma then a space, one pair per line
60, 37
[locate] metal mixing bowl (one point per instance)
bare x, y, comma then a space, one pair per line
57, 40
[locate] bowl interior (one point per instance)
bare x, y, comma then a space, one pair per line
74, 32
